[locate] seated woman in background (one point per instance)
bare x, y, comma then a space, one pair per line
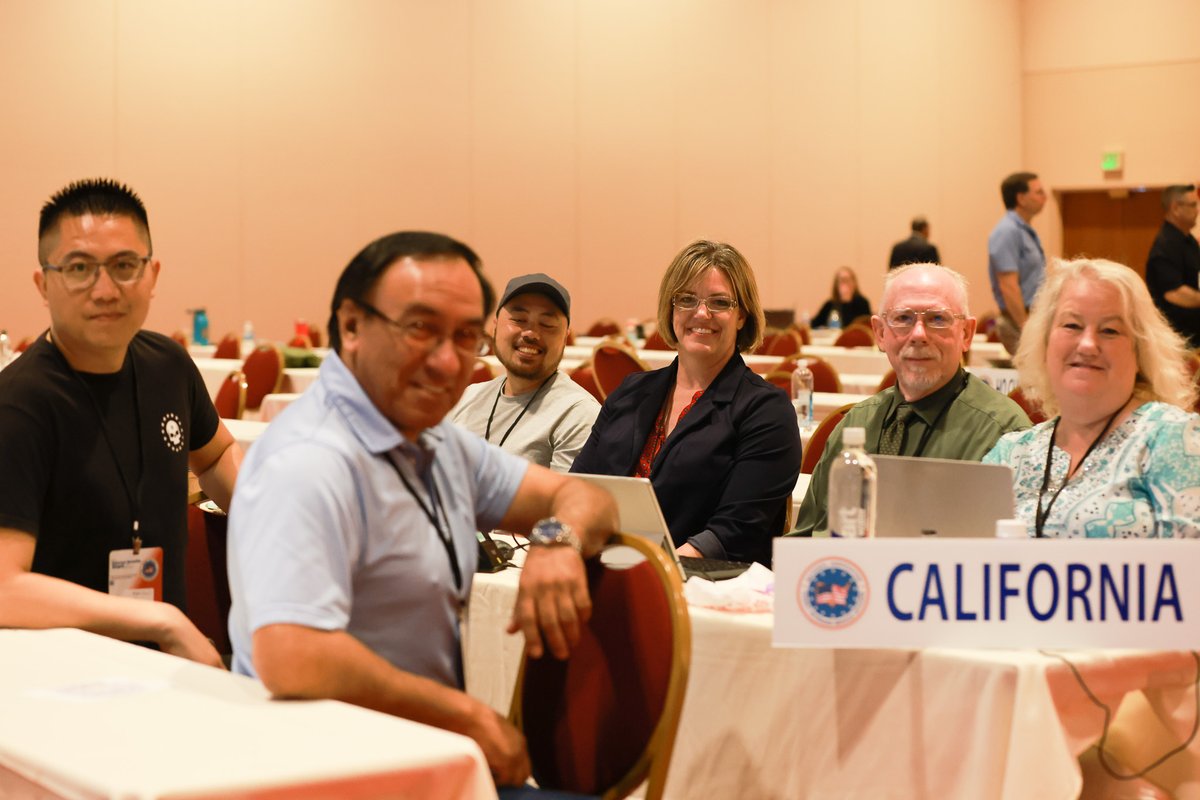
720, 444
845, 304
1120, 456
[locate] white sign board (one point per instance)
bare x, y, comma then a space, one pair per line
911, 593
1002, 380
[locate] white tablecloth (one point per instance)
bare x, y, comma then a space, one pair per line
215, 370
86, 716
760, 722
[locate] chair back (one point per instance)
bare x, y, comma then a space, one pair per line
1031, 409
314, 335
585, 376
888, 381
483, 372
231, 397
856, 336
816, 443
803, 331
604, 720
605, 326
825, 375
779, 343
229, 347
180, 338
781, 378
301, 340
613, 360
264, 373
655, 341
208, 595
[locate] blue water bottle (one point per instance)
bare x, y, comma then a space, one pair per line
199, 326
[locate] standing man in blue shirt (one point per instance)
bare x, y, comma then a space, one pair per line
1016, 262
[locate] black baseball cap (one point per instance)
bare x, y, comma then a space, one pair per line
538, 283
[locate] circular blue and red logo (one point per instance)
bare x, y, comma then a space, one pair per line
832, 592
150, 569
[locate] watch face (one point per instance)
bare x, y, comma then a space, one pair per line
548, 531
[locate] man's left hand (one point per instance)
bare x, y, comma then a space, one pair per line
552, 602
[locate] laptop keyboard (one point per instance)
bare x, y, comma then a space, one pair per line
714, 569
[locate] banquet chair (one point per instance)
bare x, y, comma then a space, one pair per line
483, 372
613, 360
888, 380
816, 443
605, 719
208, 598
180, 338
779, 343
585, 376
314, 336
655, 341
1031, 409
231, 397
229, 347
781, 378
264, 374
855, 336
825, 375
24, 344
605, 326
803, 331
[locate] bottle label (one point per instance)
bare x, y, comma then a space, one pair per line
852, 524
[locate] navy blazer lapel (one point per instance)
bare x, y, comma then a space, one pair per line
719, 394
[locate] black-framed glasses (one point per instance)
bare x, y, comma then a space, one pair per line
426, 335
903, 319
717, 304
82, 273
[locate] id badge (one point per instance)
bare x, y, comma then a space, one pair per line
137, 575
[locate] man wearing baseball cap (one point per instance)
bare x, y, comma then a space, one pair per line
532, 410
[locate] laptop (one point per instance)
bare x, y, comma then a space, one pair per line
640, 514
939, 497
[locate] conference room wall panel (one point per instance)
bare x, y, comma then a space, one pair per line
271, 140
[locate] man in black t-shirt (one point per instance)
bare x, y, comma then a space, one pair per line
99, 423
1173, 267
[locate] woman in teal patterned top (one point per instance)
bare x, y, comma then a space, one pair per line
1120, 456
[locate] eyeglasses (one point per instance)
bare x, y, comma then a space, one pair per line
82, 273
903, 319
717, 304
423, 334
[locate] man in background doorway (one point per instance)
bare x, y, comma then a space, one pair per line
1016, 262
533, 410
916, 249
1173, 267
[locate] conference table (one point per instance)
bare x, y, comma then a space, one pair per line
765, 722
84, 716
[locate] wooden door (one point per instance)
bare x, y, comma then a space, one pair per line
1117, 224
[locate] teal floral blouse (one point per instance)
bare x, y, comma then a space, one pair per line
1141, 480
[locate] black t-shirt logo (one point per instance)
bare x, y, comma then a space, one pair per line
172, 431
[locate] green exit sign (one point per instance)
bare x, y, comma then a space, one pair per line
1112, 161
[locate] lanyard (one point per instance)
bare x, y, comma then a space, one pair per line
929, 428
1040, 519
133, 492
443, 535
487, 436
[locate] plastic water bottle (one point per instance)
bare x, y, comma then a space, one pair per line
835, 319
802, 394
248, 333
852, 489
199, 326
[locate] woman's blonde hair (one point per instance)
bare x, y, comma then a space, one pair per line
1160, 352
690, 265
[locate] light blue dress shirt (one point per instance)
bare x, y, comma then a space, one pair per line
323, 532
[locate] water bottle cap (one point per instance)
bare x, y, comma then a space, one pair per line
854, 437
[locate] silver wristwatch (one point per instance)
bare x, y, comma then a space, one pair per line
553, 532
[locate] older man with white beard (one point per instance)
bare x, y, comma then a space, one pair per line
936, 409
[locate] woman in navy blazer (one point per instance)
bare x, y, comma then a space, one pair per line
720, 445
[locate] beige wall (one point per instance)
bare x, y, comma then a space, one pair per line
590, 139
1109, 74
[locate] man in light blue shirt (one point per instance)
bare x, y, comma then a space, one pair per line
1016, 263
352, 537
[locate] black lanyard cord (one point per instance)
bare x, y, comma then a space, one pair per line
1039, 521
487, 436
444, 536
133, 492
